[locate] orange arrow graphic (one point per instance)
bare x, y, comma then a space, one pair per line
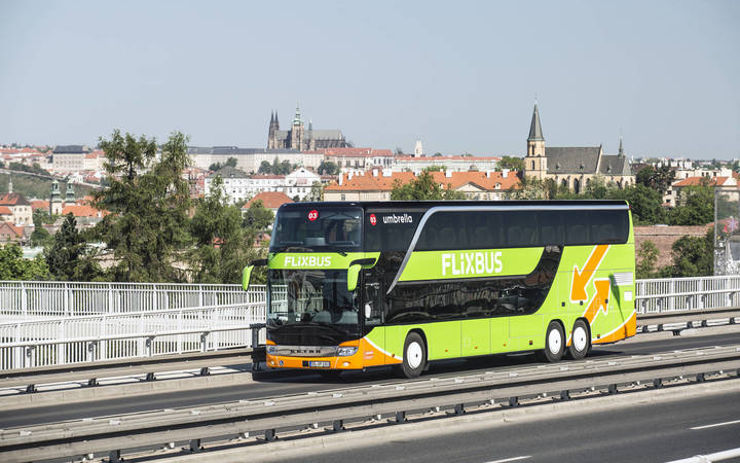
599, 301
581, 278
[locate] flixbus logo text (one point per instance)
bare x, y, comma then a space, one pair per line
472, 263
307, 261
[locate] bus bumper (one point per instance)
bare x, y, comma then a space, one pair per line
367, 355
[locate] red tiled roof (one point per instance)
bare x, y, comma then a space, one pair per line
270, 199
83, 210
369, 182
696, 181
13, 199
5, 210
39, 204
6, 227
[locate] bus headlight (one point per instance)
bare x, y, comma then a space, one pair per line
272, 350
346, 351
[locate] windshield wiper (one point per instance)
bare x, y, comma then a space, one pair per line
297, 249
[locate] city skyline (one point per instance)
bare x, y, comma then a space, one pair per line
663, 75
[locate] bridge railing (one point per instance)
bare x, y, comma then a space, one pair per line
33, 299
695, 293
43, 324
64, 340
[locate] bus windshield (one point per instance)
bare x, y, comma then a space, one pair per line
316, 229
311, 297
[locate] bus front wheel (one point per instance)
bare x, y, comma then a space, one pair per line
414, 355
581, 342
554, 343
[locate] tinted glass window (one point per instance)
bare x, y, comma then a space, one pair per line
391, 230
490, 230
317, 228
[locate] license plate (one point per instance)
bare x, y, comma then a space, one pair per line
319, 364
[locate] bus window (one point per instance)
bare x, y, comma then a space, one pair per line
390, 230
521, 230
551, 228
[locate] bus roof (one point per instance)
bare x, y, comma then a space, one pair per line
401, 205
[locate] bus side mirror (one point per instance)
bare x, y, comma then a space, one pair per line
353, 272
247, 272
246, 276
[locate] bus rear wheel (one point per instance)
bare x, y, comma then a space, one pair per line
414, 355
580, 342
554, 343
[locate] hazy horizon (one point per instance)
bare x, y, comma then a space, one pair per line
461, 77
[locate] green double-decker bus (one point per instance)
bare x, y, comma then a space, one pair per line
364, 284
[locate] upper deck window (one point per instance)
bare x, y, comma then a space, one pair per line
317, 228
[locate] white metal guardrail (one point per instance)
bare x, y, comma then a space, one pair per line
65, 340
78, 322
679, 294
35, 299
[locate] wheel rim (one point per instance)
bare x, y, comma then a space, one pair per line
580, 338
554, 341
414, 355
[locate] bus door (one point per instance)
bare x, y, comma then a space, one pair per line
372, 311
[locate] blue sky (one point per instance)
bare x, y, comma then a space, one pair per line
461, 76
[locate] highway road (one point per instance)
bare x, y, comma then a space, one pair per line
270, 385
657, 430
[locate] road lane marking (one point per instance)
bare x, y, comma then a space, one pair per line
525, 457
714, 425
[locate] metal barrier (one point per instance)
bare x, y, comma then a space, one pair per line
67, 340
33, 299
106, 321
680, 294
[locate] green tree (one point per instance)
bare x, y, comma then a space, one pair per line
40, 235
265, 167
316, 193
659, 178
424, 187
257, 218
231, 162
693, 256
530, 188
328, 168
14, 267
646, 204
647, 257
148, 201
221, 249
68, 258
696, 208
511, 163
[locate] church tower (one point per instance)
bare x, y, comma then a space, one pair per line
296, 133
272, 142
535, 163
55, 204
69, 195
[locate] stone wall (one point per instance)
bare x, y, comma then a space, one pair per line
663, 237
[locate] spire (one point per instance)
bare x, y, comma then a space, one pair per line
535, 128
277, 121
621, 149
297, 118
272, 117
